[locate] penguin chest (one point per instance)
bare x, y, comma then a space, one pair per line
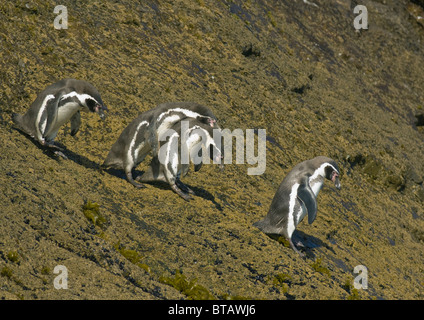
64, 114
316, 185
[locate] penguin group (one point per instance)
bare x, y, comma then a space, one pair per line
144, 133
159, 132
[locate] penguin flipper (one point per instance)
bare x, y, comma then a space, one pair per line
52, 106
50, 115
307, 196
75, 123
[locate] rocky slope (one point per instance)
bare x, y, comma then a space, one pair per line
301, 71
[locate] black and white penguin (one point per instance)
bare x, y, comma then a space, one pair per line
296, 197
55, 106
142, 135
168, 166
168, 113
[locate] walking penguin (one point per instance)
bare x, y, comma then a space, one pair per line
56, 105
297, 197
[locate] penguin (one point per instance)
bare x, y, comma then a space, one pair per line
168, 166
169, 113
296, 197
56, 105
142, 135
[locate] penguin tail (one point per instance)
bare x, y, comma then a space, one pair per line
105, 164
261, 225
112, 162
16, 118
266, 227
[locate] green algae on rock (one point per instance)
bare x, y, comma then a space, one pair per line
189, 288
92, 212
302, 73
133, 256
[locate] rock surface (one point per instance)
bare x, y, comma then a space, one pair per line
300, 71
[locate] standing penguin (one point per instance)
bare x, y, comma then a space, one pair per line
56, 105
297, 196
190, 136
142, 135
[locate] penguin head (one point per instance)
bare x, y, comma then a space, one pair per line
207, 117
209, 140
96, 106
211, 121
332, 173
208, 120
215, 149
93, 100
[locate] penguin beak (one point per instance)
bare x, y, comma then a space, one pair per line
99, 109
212, 122
336, 180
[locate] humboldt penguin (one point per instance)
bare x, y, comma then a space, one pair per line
169, 113
56, 105
184, 144
296, 197
142, 135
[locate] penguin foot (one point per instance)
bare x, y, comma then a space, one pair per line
185, 188
302, 255
185, 196
60, 154
300, 244
51, 145
57, 151
135, 184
